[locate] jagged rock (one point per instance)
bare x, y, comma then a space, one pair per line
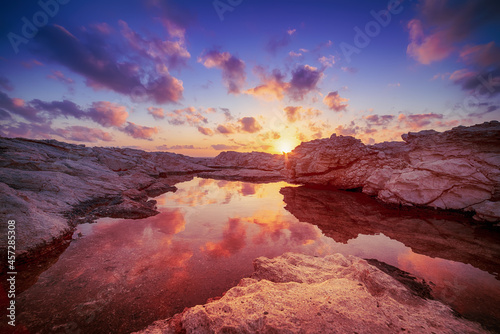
296, 293
456, 169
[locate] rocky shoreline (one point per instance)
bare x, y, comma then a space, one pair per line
296, 293
50, 187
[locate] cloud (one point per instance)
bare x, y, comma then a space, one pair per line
156, 112
327, 61
171, 52
233, 69
483, 54
294, 114
379, 120
304, 80
189, 115
178, 147
205, 131
273, 85
139, 131
334, 102
418, 121
227, 114
84, 134
249, 124
427, 49
108, 114
349, 69
59, 76
18, 106
4, 115
221, 147
351, 130
447, 31
106, 65
226, 129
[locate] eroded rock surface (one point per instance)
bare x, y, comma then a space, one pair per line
456, 169
47, 187
297, 293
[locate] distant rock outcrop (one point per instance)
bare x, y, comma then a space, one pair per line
457, 169
297, 293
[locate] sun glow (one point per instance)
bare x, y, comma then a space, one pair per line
285, 146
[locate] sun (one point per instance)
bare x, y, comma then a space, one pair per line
284, 146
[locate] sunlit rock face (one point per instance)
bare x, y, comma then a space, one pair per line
48, 186
299, 293
456, 169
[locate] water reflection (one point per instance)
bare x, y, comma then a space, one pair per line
122, 275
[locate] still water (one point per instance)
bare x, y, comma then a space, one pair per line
120, 275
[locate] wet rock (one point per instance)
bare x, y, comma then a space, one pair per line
296, 293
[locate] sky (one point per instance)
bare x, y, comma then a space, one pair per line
200, 77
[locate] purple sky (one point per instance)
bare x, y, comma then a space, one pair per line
198, 77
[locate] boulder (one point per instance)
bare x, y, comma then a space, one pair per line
297, 293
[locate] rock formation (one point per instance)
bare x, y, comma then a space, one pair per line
343, 215
296, 293
457, 169
47, 187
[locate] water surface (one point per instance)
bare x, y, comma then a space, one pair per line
121, 275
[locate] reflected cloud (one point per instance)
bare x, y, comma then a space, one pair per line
233, 240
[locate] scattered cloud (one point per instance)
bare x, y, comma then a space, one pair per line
83, 134
139, 131
334, 102
108, 114
205, 131
249, 124
189, 115
418, 121
327, 61
294, 114
233, 68
279, 41
156, 112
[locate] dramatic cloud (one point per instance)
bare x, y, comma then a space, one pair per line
205, 131
156, 112
249, 124
188, 115
108, 66
427, 49
233, 69
351, 130
447, 30
20, 107
273, 86
139, 131
334, 102
108, 114
304, 80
